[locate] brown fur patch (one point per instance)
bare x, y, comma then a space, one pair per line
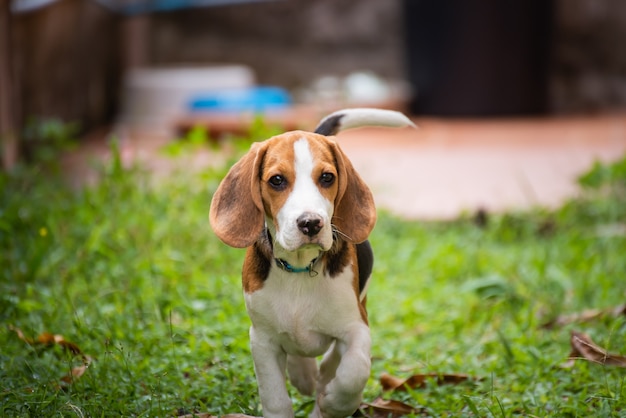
257, 264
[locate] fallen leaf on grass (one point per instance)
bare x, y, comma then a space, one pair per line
381, 408
585, 316
419, 381
77, 371
583, 347
49, 339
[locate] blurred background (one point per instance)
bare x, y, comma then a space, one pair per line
168, 65
499, 257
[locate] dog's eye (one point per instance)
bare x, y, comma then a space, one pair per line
327, 179
277, 181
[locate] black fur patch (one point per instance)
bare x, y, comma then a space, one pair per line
365, 260
329, 126
337, 259
262, 256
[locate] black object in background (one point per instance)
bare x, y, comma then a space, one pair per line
478, 57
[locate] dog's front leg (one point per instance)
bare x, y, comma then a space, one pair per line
269, 366
343, 375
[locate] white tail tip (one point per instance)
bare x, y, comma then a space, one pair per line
354, 118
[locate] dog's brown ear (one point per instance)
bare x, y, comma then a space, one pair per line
236, 213
355, 211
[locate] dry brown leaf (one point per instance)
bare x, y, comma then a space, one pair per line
21, 335
583, 347
419, 381
48, 339
585, 316
381, 408
77, 371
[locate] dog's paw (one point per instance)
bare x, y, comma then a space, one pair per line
329, 406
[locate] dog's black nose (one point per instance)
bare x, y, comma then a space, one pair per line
310, 224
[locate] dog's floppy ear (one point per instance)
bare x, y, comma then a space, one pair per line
236, 214
355, 212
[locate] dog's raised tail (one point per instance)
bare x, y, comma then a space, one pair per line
357, 117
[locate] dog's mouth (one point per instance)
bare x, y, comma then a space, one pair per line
301, 242
311, 246
305, 247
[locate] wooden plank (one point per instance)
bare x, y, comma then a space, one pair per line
8, 137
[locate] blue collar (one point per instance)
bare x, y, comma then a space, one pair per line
282, 264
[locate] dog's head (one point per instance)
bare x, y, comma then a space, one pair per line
298, 184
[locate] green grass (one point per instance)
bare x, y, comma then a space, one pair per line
132, 274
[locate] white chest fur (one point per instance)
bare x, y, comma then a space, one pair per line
304, 314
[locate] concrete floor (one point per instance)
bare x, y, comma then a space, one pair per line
444, 168
450, 166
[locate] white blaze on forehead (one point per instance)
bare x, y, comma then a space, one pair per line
306, 196
303, 159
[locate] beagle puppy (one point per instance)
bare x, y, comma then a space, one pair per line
304, 215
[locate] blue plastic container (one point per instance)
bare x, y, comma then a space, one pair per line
256, 99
